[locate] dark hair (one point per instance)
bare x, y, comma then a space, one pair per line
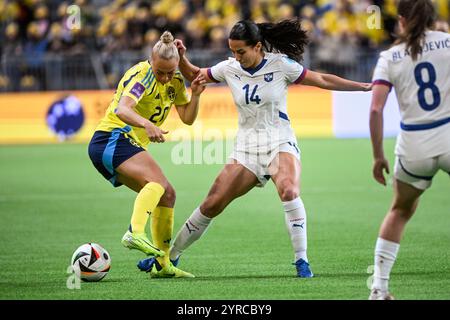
285, 36
420, 15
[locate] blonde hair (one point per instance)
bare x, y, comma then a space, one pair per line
165, 48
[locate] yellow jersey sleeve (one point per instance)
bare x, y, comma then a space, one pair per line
153, 100
138, 85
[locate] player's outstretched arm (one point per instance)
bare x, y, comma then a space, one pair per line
379, 97
187, 69
332, 82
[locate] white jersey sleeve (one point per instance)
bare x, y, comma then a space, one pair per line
381, 72
293, 71
217, 72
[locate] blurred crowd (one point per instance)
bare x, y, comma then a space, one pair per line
338, 29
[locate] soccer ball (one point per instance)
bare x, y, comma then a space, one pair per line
91, 262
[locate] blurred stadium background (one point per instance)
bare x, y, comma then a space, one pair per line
58, 49
56, 80
40, 52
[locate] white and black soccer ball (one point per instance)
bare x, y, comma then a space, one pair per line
91, 262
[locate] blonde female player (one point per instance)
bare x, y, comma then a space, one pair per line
418, 68
266, 147
141, 103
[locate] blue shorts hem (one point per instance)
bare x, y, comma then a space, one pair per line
108, 150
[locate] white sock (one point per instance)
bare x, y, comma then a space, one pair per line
295, 217
385, 255
191, 231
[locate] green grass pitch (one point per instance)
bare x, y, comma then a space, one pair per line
52, 200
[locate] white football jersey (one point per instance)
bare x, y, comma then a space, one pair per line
260, 94
423, 93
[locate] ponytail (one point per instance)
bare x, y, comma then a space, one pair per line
285, 37
420, 15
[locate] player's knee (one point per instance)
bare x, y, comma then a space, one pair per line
169, 197
289, 194
159, 180
289, 191
403, 211
212, 206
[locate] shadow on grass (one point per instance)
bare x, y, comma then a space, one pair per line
234, 277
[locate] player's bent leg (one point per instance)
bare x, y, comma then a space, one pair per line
139, 170
142, 174
406, 198
162, 223
162, 228
169, 197
233, 181
412, 178
286, 179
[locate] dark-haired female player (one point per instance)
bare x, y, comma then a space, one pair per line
266, 61
417, 66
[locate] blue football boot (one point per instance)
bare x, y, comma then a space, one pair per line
303, 269
147, 263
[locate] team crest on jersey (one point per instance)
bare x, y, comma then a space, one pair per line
268, 77
171, 93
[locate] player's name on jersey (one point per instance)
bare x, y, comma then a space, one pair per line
428, 46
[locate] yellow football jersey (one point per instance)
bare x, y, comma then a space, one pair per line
153, 99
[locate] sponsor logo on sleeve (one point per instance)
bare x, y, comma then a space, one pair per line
137, 90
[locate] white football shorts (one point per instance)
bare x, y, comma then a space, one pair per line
258, 163
419, 173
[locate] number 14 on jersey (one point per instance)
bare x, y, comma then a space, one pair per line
253, 96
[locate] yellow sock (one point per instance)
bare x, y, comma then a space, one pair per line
162, 228
145, 203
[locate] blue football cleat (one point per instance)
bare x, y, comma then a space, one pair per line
303, 269
147, 263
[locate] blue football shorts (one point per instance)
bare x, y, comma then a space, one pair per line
108, 150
